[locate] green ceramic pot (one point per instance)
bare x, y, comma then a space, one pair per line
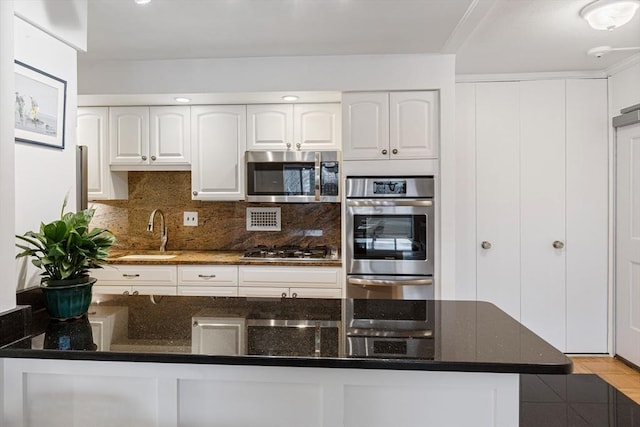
67, 299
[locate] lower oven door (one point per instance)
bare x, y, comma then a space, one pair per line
390, 287
390, 237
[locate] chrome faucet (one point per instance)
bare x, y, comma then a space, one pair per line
163, 236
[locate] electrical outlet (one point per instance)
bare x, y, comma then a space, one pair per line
191, 219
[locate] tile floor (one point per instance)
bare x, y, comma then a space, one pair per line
602, 392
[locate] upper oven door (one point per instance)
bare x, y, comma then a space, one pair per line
390, 236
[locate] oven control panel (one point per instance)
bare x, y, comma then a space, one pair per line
390, 187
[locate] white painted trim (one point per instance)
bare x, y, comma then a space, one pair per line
474, 78
473, 16
612, 229
624, 64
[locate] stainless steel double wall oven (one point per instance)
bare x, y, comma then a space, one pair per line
390, 237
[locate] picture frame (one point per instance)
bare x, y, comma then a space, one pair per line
40, 107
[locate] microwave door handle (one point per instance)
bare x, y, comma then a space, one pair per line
419, 203
317, 171
382, 282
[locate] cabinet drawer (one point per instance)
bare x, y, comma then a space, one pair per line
263, 291
208, 291
219, 275
136, 274
297, 276
315, 293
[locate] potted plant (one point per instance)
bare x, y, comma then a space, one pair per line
66, 249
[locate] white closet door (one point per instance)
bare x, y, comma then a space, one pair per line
497, 195
587, 215
628, 243
542, 209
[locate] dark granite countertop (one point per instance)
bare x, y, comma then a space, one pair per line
464, 336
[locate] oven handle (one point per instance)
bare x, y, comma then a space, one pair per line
382, 282
420, 203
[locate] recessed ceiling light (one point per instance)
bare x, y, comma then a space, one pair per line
290, 98
182, 99
609, 14
142, 1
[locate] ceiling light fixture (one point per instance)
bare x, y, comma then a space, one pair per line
609, 14
142, 1
601, 51
182, 99
290, 98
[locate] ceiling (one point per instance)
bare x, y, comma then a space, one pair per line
487, 36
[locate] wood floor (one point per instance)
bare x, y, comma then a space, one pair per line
615, 372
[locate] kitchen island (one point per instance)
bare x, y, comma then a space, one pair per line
200, 361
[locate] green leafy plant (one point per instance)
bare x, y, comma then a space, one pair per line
66, 248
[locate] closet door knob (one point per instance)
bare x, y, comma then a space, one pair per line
558, 244
485, 245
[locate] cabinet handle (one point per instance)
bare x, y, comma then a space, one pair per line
298, 145
144, 157
485, 245
136, 293
394, 151
558, 244
284, 295
130, 276
384, 151
153, 158
195, 193
206, 276
195, 323
125, 293
288, 146
294, 295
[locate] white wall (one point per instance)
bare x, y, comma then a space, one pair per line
43, 175
624, 86
7, 250
64, 19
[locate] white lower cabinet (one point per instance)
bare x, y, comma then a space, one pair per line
224, 336
208, 280
293, 282
539, 192
136, 279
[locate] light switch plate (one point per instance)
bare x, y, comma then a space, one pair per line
191, 219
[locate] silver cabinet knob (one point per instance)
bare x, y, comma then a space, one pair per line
288, 146
558, 244
298, 145
153, 158
284, 295
294, 295
144, 157
384, 151
485, 245
394, 151
136, 293
125, 293
195, 193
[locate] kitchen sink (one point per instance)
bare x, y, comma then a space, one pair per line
149, 257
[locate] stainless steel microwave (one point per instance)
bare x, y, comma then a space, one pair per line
293, 176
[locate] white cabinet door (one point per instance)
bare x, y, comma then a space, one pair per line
170, 135
269, 126
223, 336
317, 126
129, 135
208, 280
314, 293
365, 120
587, 215
542, 209
218, 145
263, 292
413, 125
498, 196
93, 131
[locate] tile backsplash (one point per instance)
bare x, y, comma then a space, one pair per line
221, 225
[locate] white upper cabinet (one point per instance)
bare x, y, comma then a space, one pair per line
170, 135
144, 138
93, 132
218, 145
390, 125
293, 127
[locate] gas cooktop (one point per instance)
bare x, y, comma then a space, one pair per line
291, 253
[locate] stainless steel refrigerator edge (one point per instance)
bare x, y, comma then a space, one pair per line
82, 177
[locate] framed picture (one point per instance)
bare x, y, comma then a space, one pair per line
39, 106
